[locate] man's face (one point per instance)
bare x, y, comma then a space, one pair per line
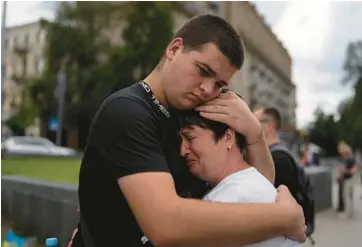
191, 78
266, 121
204, 156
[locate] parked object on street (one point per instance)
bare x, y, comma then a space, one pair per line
51, 242
13, 240
33, 146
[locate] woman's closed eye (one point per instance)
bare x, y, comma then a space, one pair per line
189, 137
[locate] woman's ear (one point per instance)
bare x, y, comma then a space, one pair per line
230, 138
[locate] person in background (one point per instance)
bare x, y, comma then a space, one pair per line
271, 121
345, 177
288, 170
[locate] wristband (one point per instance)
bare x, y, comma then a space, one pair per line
258, 139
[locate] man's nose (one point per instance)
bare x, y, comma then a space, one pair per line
207, 88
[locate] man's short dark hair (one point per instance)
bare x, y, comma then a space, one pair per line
188, 118
275, 115
208, 28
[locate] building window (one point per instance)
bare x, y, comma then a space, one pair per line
214, 6
262, 74
38, 36
40, 65
6, 44
286, 92
9, 71
36, 65
192, 7
26, 40
252, 88
253, 104
15, 41
253, 68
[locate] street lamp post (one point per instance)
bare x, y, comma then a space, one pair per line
3, 30
60, 95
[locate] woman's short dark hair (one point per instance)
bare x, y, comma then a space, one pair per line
188, 118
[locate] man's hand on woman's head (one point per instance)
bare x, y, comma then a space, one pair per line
232, 110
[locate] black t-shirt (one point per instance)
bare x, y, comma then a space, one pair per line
129, 135
349, 163
285, 171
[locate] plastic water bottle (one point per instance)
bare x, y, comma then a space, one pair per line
51, 242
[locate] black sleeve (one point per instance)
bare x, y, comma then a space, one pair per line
284, 171
350, 163
126, 133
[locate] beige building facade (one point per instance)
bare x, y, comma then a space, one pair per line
23, 47
265, 78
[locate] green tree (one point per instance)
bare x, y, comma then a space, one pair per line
353, 63
79, 42
350, 123
324, 132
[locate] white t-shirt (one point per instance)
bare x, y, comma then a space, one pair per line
249, 186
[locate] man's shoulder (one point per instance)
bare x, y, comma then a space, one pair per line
127, 102
133, 95
281, 155
125, 111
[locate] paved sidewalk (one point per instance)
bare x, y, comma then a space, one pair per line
334, 232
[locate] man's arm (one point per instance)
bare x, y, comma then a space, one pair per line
260, 157
168, 220
350, 167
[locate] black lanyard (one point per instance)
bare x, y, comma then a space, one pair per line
154, 99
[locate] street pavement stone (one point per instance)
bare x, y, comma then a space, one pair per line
332, 231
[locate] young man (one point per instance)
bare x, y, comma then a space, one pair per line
214, 153
285, 173
132, 182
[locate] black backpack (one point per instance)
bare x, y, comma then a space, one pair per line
305, 195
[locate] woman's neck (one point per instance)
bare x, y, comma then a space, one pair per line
235, 164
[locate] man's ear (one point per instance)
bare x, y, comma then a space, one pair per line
175, 46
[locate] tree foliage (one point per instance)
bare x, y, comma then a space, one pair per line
327, 132
84, 42
324, 132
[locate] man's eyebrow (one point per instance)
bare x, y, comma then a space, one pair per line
212, 72
208, 68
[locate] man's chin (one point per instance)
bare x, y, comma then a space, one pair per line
186, 105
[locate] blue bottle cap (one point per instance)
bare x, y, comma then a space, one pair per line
51, 241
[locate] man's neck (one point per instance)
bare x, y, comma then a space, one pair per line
154, 81
272, 139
